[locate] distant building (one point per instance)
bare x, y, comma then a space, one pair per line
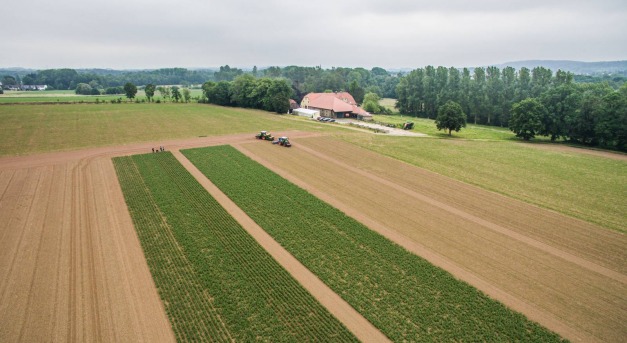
335, 105
34, 87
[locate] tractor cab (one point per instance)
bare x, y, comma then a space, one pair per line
264, 135
284, 141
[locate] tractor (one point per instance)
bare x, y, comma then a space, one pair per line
408, 125
283, 141
264, 135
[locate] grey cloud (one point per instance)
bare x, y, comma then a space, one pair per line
393, 33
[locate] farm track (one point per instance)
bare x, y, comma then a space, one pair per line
71, 265
564, 273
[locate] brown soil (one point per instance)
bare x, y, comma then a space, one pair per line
564, 273
71, 265
354, 321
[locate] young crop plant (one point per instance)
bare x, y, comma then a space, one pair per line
216, 282
403, 295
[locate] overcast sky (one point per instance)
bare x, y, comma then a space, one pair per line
125, 34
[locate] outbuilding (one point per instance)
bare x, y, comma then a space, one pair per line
309, 113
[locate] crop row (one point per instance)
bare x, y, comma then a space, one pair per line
216, 282
403, 295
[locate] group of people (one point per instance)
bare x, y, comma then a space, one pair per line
161, 148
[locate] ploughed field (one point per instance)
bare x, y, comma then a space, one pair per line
564, 273
71, 267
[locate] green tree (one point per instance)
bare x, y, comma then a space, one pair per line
357, 91
83, 89
478, 96
494, 92
221, 94
217, 93
150, 91
584, 121
29, 79
611, 128
526, 118
186, 94
277, 98
540, 80
450, 117
509, 89
523, 85
561, 102
429, 92
371, 103
8, 80
243, 91
130, 90
164, 91
227, 73
176, 94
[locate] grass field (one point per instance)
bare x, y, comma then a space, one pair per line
587, 187
406, 297
389, 103
216, 282
71, 96
28, 129
471, 131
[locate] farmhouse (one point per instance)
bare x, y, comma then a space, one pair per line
335, 105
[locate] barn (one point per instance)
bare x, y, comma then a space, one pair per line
338, 105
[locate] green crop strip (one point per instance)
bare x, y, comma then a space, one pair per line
216, 282
402, 294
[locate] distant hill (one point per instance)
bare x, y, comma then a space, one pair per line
575, 67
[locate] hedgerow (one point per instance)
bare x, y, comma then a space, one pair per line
403, 295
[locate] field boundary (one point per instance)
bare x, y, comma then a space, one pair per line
338, 307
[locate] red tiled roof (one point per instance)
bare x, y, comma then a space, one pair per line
338, 102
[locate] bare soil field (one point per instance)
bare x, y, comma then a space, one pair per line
564, 273
71, 265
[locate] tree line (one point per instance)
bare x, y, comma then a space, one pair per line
589, 113
302, 79
270, 94
69, 79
